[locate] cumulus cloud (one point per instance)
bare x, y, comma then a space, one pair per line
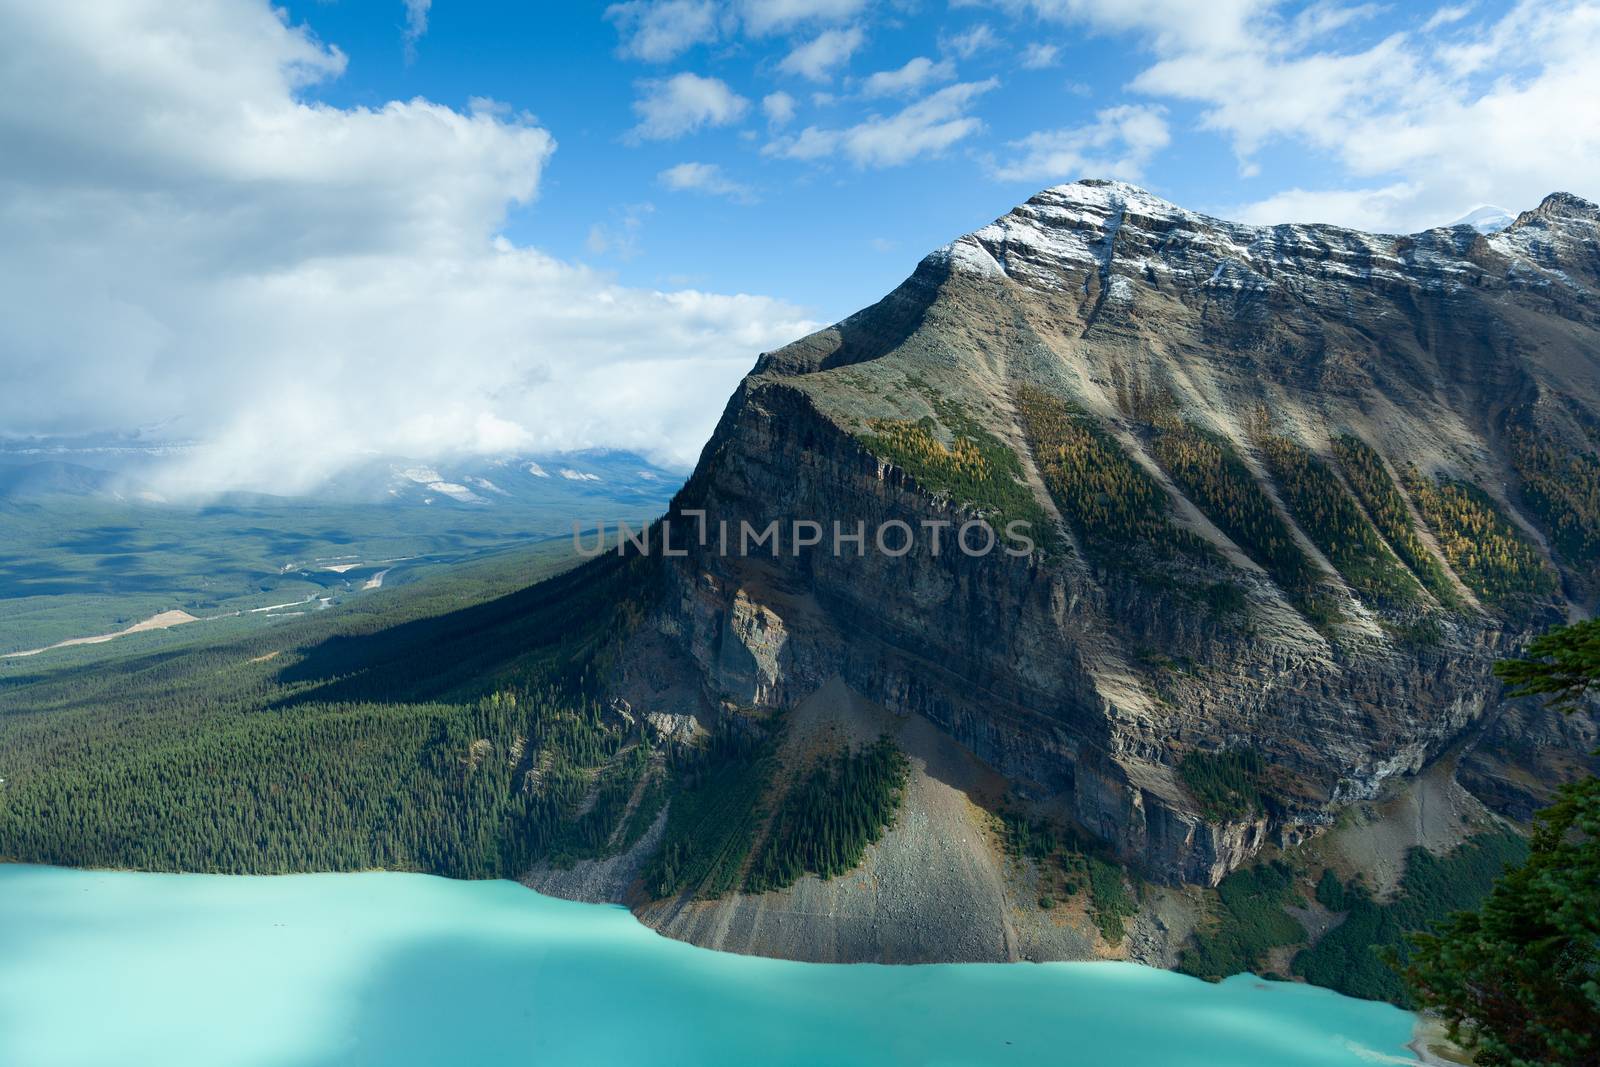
679, 105
1419, 126
659, 30
705, 178
916, 74
926, 127
1117, 144
185, 241
818, 58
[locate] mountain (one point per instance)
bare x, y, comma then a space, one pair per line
93, 547
117, 469
45, 478
1487, 219
1269, 502
1293, 489
542, 481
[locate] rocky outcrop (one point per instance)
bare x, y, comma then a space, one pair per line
1083, 678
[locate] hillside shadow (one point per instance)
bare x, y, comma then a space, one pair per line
463, 652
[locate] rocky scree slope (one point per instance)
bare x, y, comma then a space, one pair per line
1294, 489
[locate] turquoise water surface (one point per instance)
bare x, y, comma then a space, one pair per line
101, 968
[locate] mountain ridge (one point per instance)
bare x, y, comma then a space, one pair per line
1287, 511
1302, 485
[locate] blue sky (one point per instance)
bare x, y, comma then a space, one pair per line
830, 234
302, 235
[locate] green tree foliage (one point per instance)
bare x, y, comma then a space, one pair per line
1214, 477
1331, 893
1035, 839
437, 788
1226, 785
976, 470
1367, 475
715, 814
1353, 956
1110, 899
1561, 664
1336, 525
1481, 545
1518, 980
356, 740
1561, 487
1068, 860
1250, 922
1109, 500
826, 821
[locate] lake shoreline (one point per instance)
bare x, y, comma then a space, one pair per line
262, 944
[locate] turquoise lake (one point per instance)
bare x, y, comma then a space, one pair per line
101, 968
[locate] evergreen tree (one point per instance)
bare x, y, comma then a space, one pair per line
1518, 980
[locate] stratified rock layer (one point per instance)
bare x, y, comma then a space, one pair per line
1085, 678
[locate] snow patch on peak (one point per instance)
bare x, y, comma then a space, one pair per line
1066, 235
455, 491
420, 475
1486, 218
969, 256
1111, 196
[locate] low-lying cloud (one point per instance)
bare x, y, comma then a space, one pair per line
186, 241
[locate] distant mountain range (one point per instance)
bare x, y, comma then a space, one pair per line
92, 547
113, 471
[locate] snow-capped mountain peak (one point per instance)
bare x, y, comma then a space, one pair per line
1487, 218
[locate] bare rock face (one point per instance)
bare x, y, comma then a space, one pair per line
1291, 491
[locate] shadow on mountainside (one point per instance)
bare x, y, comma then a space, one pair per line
464, 653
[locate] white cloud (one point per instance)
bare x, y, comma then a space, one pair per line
1445, 16
671, 107
818, 58
704, 178
416, 25
979, 38
183, 240
1036, 56
1170, 23
1416, 129
1118, 144
1364, 209
762, 17
926, 127
913, 76
659, 30
779, 108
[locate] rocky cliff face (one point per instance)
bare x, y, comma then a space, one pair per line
1292, 490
